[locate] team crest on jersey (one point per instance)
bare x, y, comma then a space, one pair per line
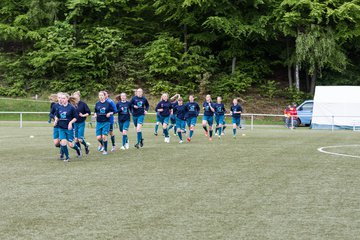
125, 109
63, 115
139, 104
102, 110
219, 109
192, 108
207, 108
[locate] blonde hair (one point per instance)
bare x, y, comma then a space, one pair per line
77, 93
53, 97
164, 94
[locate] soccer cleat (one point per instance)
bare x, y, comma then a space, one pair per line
123, 148
219, 136
223, 134
167, 140
181, 141
206, 133
175, 134
87, 149
142, 142
67, 160
210, 139
156, 134
234, 136
100, 148
137, 146
127, 145
113, 148
62, 156
104, 153
188, 139
216, 133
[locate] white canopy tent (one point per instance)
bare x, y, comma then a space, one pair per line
336, 107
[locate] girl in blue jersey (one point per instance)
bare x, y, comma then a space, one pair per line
157, 123
235, 112
219, 115
123, 106
174, 102
112, 120
139, 106
208, 117
102, 113
65, 117
180, 118
192, 112
56, 102
164, 108
82, 110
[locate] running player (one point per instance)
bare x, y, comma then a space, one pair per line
192, 112
82, 110
174, 102
208, 117
164, 108
111, 130
219, 115
123, 106
65, 116
180, 118
103, 112
55, 103
157, 123
235, 111
139, 106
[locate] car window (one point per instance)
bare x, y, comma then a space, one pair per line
307, 107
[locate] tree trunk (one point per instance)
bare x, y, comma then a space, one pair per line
233, 65
313, 81
289, 64
297, 77
307, 82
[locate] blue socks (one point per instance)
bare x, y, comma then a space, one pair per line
211, 133
156, 128
166, 132
205, 128
191, 133
219, 130
234, 131
113, 140
139, 137
124, 140
171, 126
180, 135
105, 145
65, 150
101, 142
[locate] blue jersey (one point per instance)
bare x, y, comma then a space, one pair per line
219, 109
236, 108
166, 106
180, 111
53, 110
174, 104
115, 109
207, 109
82, 108
192, 109
65, 114
142, 106
123, 111
101, 109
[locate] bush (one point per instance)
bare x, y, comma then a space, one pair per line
234, 84
270, 89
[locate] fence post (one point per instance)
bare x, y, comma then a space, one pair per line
21, 120
292, 122
252, 122
332, 123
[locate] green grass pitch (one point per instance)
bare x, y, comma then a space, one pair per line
270, 184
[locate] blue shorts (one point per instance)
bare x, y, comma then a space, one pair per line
66, 134
191, 121
209, 119
102, 128
173, 119
138, 120
79, 129
56, 133
158, 118
124, 126
164, 120
220, 119
236, 120
180, 124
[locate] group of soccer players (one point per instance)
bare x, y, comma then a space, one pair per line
69, 114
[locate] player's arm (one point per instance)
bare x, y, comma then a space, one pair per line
147, 106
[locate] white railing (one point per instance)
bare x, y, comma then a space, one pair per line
252, 116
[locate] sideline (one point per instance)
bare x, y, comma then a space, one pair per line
321, 149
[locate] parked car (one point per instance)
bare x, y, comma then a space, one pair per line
304, 111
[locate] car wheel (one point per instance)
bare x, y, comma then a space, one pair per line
297, 122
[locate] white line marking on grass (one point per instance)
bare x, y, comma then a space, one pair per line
321, 149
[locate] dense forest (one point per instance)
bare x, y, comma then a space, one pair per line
276, 47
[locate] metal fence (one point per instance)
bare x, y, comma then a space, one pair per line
250, 120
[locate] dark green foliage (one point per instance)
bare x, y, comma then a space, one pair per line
176, 46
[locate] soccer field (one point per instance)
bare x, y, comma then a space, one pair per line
272, 183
